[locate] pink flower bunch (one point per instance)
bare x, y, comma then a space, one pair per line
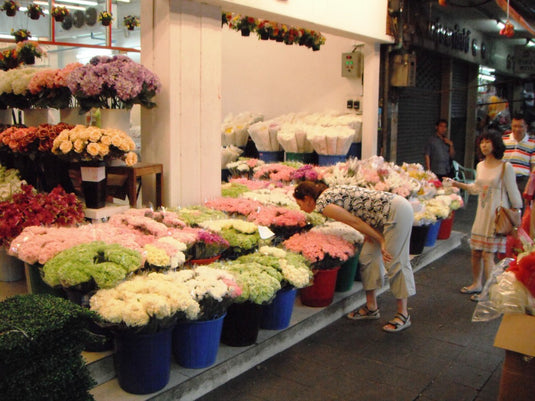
251, 184
274, 172
30, 208
402, 190
306, 172
208, 245
144, 225
50, 89
187, 235
315, 246
240, 206
278, 216
169, 219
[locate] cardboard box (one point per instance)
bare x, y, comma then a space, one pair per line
516, 335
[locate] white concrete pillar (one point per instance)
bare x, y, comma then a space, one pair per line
370, 88
181, 43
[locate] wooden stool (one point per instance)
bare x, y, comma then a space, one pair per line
134, 173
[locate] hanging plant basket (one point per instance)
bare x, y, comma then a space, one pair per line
11, 13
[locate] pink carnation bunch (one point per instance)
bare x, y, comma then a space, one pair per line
278, 216
251, 184
315, 246
274, 172
240, 206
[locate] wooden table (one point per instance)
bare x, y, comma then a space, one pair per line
134, 173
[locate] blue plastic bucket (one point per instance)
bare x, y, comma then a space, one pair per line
195, 343
143, 361
277, 315
271, 157
432, 234
355, 150
307, 158
330, 160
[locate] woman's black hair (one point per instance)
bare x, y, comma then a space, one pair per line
498, 147
309, 188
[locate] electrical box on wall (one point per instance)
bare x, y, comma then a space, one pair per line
352, 65
403, 70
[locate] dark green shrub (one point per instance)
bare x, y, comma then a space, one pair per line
41, 340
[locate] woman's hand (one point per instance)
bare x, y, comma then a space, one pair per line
386, 256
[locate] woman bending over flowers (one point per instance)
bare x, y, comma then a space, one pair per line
385, 219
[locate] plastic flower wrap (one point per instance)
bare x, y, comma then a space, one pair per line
234, 128
10, 183
293, 138
264, 136
229, 154
257, 284
331, 140
105, 264
92, 143
324, 251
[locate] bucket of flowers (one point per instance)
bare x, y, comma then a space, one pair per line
105, 18
10, 7
130, 22
35, 11
59, 13
21, 35
326, 253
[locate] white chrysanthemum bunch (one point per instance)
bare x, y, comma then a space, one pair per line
342, 230
438, 205
276, 197
204, 282
218, 226
15, 81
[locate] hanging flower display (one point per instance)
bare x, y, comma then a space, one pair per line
21, 35
28, 50
35, 11
59, 13
10, 7
105, 18
130, 22
272, 30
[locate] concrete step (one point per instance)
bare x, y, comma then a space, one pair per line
190, 384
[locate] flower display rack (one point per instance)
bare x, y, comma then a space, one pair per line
190, 384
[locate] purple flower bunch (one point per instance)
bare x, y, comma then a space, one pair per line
306, 172
113, 83
208, 245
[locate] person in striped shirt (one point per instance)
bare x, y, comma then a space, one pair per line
519, 150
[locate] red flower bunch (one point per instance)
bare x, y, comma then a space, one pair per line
524, 271
24, 140
508, 30
31, 208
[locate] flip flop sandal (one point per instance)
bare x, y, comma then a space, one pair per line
403, 322
466, 290
367, 315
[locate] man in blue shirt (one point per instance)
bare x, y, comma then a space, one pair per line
439, 151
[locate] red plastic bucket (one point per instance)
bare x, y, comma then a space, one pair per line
445, 227
321, 293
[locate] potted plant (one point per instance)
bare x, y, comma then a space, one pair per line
21, 35
245, 25
265, 29
28, 51
59, 13
10, 7
9, 60
130, 22
35, 11
105, 18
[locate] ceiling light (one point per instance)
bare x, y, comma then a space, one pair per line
489, 78
82, 2
123, 1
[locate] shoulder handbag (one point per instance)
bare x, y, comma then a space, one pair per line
507, 220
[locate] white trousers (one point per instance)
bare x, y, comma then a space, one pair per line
397, 233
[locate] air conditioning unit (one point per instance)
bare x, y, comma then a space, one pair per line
403, 70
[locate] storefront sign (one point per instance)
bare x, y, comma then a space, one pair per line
524, 60
454, 38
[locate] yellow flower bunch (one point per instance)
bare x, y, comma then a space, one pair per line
92, 143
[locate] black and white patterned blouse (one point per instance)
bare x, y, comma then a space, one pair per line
371, 206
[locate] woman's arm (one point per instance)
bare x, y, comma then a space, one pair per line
340, 214
509, 179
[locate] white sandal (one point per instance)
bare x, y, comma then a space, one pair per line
403, 322
367, 315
